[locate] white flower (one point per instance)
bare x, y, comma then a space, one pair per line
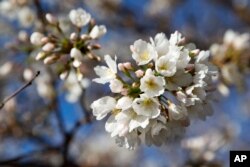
202, 57
231, 74
130, 141
152, 85
196, 92
125, 122
166, 66
97, 31
74, 87
36, 38
183, 59
116, 86
26, 17
103, 106
79, 17
175, 38
180, 79
177, 112
160, 43
124, 103
143, 52
146, 106
106, 74
239, 41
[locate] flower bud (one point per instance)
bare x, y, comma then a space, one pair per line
75, 53
28, 74
23, 36
36, 38
45, 40
128, 66
139, 73
51, 19
41, 55
97, 31
85, 37
121, 67
73, 36
51, 59
48, 47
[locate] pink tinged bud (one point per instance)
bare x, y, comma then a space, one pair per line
121, 67
48, 47
124, 92
139, 73
45, 40
40, 56
28, 74
73, 36
51, 19
51, 59
128, 66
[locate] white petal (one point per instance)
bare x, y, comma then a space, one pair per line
111, 63
103, 106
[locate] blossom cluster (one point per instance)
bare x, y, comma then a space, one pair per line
69, 49
155, 97
232, 57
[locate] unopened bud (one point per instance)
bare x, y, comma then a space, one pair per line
128, 66
48, 47
23, 36
45, 40
85, 37
51, 59
139, 73
124, 92
51, 19
40, 56
73, 36
135, 85
76, 53
150, 65
96, 46
28, 74
121, 67
97, 31
36, 38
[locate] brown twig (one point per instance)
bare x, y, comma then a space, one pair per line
19, 90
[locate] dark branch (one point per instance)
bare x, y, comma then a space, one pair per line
19, 90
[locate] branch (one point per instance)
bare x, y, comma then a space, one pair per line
19, 90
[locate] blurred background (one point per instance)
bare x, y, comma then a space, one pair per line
31, 133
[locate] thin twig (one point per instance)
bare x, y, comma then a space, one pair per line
19, 90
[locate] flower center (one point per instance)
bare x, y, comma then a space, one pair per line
145, 55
